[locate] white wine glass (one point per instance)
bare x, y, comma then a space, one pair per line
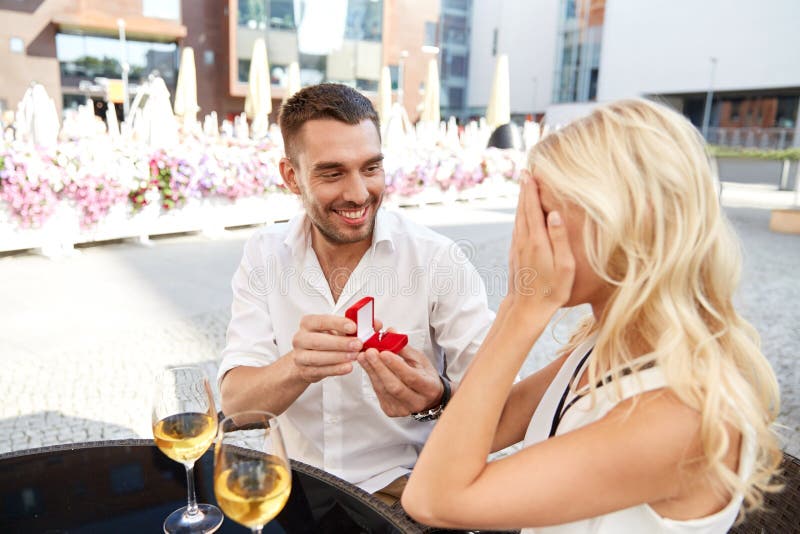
184, 426
252, 475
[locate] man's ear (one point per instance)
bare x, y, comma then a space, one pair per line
289, 175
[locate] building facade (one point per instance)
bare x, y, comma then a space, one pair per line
74, 47
565, 56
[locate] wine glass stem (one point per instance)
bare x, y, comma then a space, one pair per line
256, 530
191, 508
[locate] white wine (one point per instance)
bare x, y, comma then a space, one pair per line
253, 492
184, 437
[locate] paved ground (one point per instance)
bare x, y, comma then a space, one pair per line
82, 338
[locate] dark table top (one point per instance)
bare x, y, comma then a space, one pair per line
130, 486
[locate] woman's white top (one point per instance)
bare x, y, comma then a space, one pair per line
636, 519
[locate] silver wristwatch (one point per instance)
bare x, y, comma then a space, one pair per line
435, 412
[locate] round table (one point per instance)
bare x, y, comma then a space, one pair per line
130, 486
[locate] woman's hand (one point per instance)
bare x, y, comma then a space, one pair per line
541, 264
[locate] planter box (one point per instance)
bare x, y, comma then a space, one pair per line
785, 221
211, 216
764, 171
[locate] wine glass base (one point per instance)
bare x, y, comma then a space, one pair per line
207, 519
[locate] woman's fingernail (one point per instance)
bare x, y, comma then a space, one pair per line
554, 219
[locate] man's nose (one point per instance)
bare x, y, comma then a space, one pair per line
355, 189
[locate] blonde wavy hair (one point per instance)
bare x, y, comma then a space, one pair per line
654, 230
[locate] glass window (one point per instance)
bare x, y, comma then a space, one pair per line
258, 14
461, 5
86, 57
394, 72
580, 44
276, 21
162, 9
430, 34
458, 66
366, 85
244, 69
456, 97
16, 45
312, 69
364, 20
281, 14
454, 29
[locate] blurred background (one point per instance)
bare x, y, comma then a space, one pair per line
139, 152
563, 55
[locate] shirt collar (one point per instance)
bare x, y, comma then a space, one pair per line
298, 236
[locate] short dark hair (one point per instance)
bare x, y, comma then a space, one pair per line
324, 101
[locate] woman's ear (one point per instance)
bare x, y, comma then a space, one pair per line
289, 175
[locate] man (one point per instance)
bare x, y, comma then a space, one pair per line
362, 416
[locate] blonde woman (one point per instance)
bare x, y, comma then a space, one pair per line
657, 415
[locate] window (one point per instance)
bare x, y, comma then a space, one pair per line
579, 48
430, 34
244, 69
260, 14
366, 85
86, 57
456, 97
494, 42
394, 73
312, 69
458, 67
460, 5
454, 29
364, 20
16, 45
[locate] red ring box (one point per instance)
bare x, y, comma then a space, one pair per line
363, 314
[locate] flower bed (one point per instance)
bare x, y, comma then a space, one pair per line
89, 190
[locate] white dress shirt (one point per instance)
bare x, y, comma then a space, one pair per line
423, 285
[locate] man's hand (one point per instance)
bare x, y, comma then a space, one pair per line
322, 347
405, 383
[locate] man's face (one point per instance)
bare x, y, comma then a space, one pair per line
337, 169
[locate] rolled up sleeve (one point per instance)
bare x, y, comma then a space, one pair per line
250, 338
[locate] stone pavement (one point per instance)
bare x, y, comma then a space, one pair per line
82, 338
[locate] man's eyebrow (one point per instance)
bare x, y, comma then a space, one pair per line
329, 165
375, 159
326, 165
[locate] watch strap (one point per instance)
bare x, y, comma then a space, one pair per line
436, 411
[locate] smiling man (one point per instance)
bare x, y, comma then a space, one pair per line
362, 416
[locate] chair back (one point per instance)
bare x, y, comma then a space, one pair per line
781, 512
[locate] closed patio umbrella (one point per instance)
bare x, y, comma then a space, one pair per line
430, 103
498, 111
186, 90
258, 103
385, 95
292, 80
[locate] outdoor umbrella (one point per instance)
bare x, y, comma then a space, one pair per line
292, 80
499, 110
258, 103
385, 95
37, 118
430, 104
186, 90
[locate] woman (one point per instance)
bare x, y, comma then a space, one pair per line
657, 415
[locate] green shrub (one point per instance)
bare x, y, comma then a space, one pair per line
753, 153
